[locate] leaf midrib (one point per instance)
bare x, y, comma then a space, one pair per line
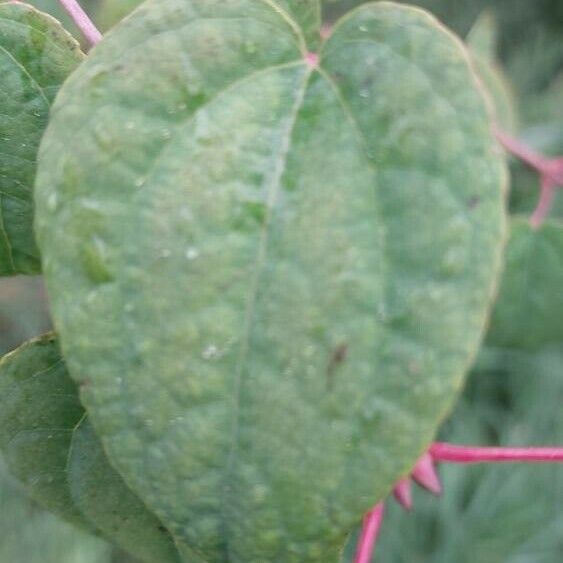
272, 197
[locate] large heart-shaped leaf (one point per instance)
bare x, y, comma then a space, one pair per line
49, 445
274, 273
36, 56
529, 310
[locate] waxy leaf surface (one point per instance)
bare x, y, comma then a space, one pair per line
274, 274
36, 56
49, 445
529, 310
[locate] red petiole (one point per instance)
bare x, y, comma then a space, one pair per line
82, 21
550, 171
425, 475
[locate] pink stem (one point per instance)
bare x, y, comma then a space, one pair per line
556, 170
312, 59
326, 30
425, 474
403, 493
441, 451
82, 21
545, 202
550, 171
522, 151
368, 537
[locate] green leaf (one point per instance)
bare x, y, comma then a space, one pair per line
50, 447
482, 42
304, 15
33, 535
113, 11
39, 407
36, 56
529, 310
100, 493
482, 38
307, 16
272, 279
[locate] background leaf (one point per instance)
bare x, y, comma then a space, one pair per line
36, 56
529, 311
301, 284
50, 447
32, 535
482, 42
40, 409
112, 12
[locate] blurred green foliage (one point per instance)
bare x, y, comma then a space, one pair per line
488, 514
31, 535
493, 513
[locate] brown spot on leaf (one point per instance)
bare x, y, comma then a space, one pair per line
337, 358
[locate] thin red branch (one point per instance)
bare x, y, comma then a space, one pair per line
550, 171
545, 202
425, 473
520, 150
403, 493
82, 21
368, 537
465, 454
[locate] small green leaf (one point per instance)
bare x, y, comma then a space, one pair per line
36, 56
501, 93
272, 275
482, 38
112, 12
50, 447
482, 42
529, 310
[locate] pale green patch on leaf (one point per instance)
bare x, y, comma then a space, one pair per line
36, 56
274, 276
482, 42
50, 447
529, 310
